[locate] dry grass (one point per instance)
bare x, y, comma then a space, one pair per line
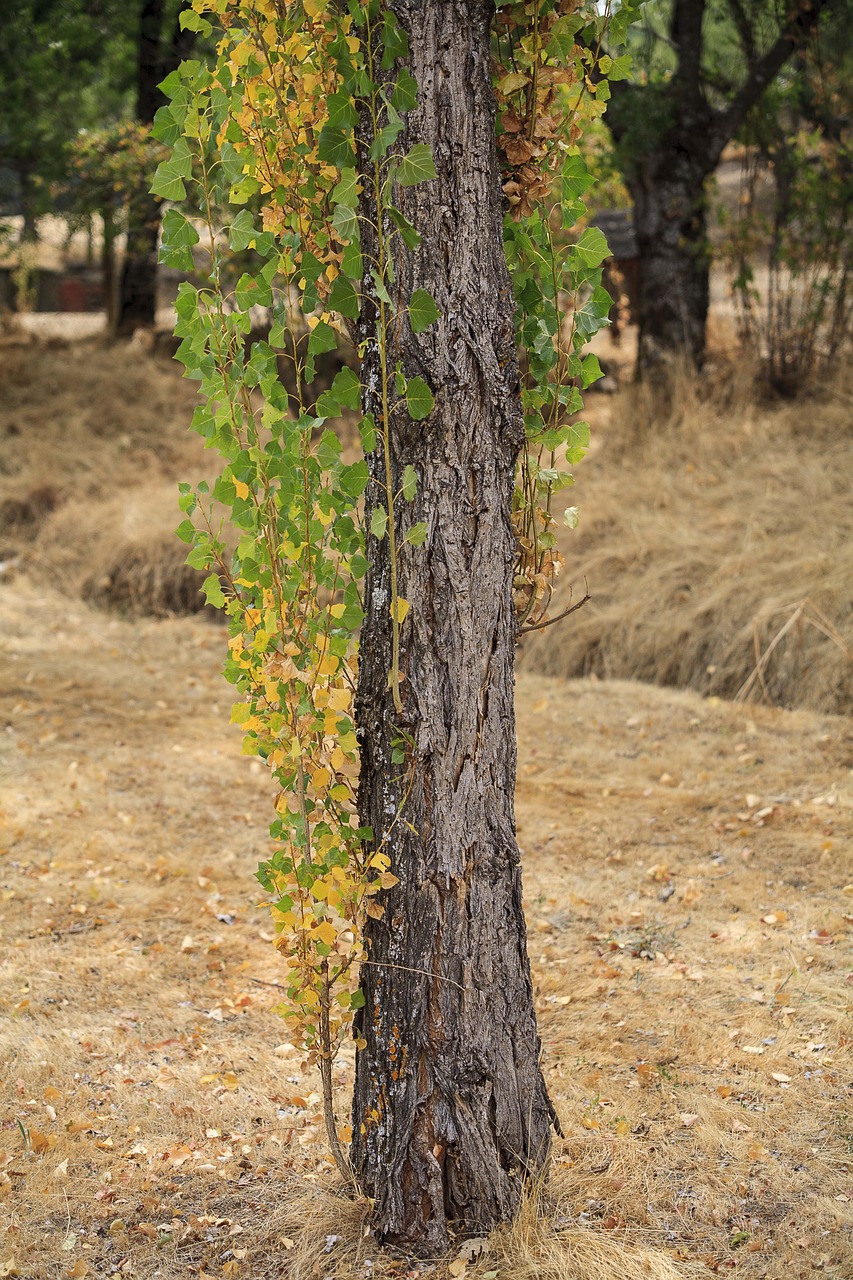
92, 442
707, 524
685, 869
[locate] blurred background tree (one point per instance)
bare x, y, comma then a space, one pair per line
702, 67
62, 66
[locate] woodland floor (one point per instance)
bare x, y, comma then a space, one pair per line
689, 892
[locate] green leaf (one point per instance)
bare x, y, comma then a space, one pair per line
592, 315
322, 339
334, 147
346, 192
167, 184
213, 592
416, 166
343, 297
621, 68
387, 135
395, 42
422, 310
346, 388
379, 522
168, 178
252, 291
166, 128
576, 178
410, 478
344, 393
381, 292
179, 236
345, 223
577, 441
340, 111
416, 536
591, 249
591, 370
190, 21
404, 95
367, 430
411, 237
419, 399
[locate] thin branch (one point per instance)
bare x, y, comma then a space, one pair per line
746, 35
381, 964
762, 72
549, 622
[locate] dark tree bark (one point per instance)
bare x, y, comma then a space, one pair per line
451, 1113
157, 56
668, 162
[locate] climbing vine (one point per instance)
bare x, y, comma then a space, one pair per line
285, 153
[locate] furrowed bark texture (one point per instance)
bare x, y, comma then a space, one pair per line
450, 1108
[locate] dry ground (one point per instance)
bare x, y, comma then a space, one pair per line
688, 872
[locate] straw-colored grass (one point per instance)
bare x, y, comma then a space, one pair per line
687, 874
687, 890
716, 536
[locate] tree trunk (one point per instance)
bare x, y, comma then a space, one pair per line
450, 1107
136, 305
137, 301
674, 260
29, 205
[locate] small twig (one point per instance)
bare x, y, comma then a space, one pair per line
381, 964
538, 626
427, 973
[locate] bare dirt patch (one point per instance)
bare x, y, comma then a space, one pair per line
687, 872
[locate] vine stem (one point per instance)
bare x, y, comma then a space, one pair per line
386, 416
326, 1058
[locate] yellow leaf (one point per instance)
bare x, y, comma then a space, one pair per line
242, 489
337, 610
339, 699
328, 665
320, 779
402, 608
326, 932
230, 1080
380, 862
512, 82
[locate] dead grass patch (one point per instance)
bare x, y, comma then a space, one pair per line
707, 520
689, 927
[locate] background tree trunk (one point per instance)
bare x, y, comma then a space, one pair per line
136, 306
674, 262
670, 138
450, 1107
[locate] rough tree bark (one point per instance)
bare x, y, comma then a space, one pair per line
671, 140
450, 1107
